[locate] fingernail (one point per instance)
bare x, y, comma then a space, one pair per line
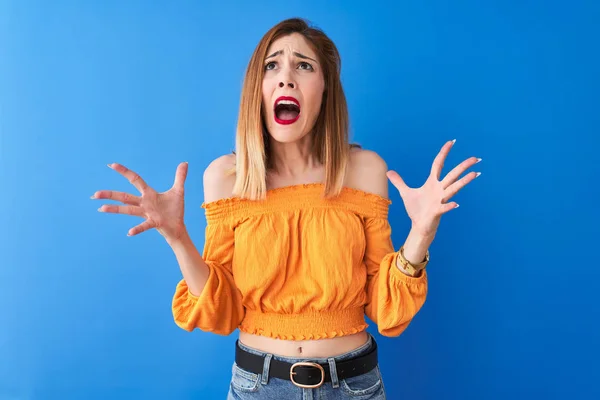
109, 165
453, 141
456, 206
476, 175
100, 209
93, 196
479, 159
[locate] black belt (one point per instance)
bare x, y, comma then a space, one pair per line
307, 374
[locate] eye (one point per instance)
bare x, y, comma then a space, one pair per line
269, 65
306, 66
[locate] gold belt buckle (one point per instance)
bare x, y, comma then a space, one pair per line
310, 364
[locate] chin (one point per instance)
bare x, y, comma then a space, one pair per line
286, 133
285, 137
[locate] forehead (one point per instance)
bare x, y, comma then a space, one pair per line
290, 43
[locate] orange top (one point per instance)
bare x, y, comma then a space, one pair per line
297, 266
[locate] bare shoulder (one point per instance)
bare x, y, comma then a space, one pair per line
218, 178
367, 172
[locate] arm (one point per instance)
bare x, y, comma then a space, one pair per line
393, 297
415, 248
369, 174
207, 297
193, 268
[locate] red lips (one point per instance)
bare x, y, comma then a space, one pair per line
289, 109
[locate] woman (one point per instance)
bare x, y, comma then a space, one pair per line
307, 216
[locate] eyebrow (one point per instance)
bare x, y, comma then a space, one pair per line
299, 55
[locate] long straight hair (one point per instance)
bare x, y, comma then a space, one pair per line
329, 135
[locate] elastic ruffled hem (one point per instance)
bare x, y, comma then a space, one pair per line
298, 187
305, 326
183, 300
309, 336
300, 195
397, 275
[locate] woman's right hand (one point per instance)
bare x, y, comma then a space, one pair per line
163, 211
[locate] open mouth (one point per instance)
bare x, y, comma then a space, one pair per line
287, 110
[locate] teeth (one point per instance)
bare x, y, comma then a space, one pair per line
286, 102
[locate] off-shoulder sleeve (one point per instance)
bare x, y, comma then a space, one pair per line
218, 308
393, 298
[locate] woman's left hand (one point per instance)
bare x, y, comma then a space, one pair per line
426, 205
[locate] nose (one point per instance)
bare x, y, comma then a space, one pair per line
290, 84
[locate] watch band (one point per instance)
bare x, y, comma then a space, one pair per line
412, 269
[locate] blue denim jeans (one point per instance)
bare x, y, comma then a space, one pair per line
246, 385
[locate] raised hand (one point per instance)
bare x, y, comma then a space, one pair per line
163, 211
425, 205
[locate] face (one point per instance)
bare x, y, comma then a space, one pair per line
292, 88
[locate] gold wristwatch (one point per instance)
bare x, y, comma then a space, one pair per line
412, 269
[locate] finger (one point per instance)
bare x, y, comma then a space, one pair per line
397, 181
127, 210
461, 183
457, 171
131, 176
144, 226
118, 196
438, 162
444, 208
180, 175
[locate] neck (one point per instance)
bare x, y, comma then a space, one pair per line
292, 161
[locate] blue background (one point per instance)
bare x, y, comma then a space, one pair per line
513, 303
